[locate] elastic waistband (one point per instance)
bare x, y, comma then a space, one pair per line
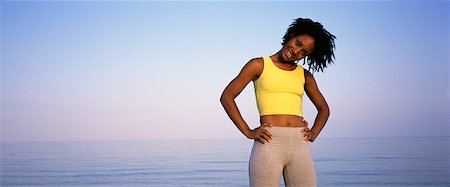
283, 134
280, 128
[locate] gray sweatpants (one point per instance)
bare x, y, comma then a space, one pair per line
287, 154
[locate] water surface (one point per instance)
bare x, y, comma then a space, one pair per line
418, 161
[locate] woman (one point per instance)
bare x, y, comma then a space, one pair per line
281, 141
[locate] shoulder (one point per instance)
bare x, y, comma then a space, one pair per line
253, 68
307, 73
256, 62
309, 78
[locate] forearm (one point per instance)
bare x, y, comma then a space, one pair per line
232, 111
320, 121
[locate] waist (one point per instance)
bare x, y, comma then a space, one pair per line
283, 120
285, 135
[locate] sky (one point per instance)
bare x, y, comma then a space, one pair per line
82, 71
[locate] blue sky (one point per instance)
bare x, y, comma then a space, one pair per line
152, 70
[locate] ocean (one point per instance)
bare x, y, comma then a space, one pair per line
349, 162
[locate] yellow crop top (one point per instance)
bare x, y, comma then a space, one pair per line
279, 91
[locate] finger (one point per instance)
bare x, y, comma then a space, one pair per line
262, 140
307, 137
305, 130
266, 137
259, 137
267, 133
307, 133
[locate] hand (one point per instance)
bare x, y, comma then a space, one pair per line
306, 132
307, 135
261, 134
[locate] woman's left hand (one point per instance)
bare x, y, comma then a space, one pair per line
306, 132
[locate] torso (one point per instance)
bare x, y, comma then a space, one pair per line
283, 120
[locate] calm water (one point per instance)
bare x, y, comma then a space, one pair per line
339, 162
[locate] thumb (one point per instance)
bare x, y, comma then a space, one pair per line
266, 125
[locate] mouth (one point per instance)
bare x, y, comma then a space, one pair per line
289, 54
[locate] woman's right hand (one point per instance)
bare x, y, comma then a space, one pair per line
261, 134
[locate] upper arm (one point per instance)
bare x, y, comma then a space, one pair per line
313, 91
251, 71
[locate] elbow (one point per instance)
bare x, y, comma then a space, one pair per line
325, 110
224, 98
227, 97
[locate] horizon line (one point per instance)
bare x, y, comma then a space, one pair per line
190, 139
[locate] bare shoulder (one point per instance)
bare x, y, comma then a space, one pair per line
256, 63
254, 67
308, 74
309, 79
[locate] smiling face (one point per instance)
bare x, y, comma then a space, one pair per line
297, 48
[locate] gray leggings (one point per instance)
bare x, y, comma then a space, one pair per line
287, 154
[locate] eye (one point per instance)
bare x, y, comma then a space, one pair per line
304, 53
299, 43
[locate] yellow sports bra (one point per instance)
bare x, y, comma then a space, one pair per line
279, 91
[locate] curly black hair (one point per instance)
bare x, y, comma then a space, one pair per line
323, 53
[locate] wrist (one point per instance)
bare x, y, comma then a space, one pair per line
248, 133
313, 135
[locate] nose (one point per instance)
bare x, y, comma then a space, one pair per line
298, 52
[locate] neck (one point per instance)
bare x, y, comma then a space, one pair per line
280, 59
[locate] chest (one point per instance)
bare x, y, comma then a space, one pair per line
281, 81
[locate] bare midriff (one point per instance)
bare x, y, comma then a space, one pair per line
283, 120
